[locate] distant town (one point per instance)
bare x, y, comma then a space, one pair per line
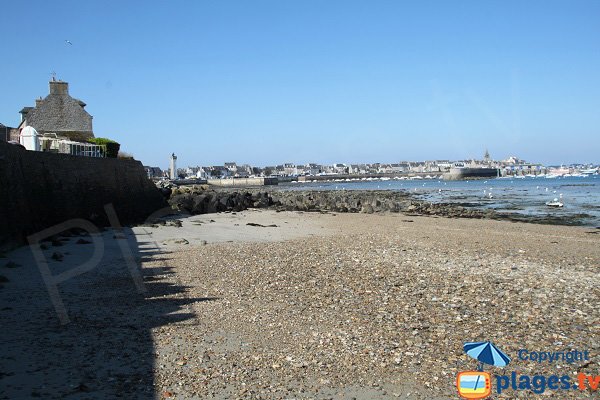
40, 130
509, 166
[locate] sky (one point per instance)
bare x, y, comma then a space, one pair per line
267, 82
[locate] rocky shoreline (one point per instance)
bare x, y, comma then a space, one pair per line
205, 200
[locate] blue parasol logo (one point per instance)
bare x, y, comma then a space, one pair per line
486, 353
476, 385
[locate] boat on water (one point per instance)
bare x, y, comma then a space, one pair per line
557, 202
589, 171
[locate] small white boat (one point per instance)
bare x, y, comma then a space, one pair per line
555, 203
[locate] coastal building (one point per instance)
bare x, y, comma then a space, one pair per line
513, 160
201, 173
359, 168
313, 169
217, 171
340, 168
397, 168
231, 167
280, 169
58, 113
303, 169
384, 168
244, 170
443, 165
418, 166
290, 169
7, 133
153, 172
269, 170
374, 168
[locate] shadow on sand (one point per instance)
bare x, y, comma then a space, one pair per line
106, 350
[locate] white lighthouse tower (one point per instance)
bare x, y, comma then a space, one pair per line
173, 167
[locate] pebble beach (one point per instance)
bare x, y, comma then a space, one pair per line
277, 305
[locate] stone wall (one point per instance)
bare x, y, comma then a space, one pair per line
243, 182
39, 190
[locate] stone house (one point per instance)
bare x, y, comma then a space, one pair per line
202, 174
358, 169
290, 169
231, 167
416, 166
219, 171
339, 168
279, 170
58, 113
313, 169
153, 172
397, 168
444, 165
244, 170
8, 134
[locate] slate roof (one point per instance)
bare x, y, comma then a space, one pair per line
60, 113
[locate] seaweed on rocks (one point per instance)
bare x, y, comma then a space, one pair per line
204, 200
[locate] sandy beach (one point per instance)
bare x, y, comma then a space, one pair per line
266, 304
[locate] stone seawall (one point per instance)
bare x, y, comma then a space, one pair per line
243, 182
39, 190
456, 174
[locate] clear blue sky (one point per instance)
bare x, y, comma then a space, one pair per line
266, 82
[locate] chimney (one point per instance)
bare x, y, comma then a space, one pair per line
38, 102
24, 112
59, 87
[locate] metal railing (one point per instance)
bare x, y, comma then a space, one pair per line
52, 143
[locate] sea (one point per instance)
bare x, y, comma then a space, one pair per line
526, 196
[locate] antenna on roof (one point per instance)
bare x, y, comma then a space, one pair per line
53, 74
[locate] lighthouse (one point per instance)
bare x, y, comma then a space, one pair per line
173, 167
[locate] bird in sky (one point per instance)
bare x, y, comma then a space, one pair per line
69, 42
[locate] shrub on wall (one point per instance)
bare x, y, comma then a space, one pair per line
112, 147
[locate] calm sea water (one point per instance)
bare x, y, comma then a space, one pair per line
527, 196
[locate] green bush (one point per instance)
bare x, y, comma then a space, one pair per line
112, 147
